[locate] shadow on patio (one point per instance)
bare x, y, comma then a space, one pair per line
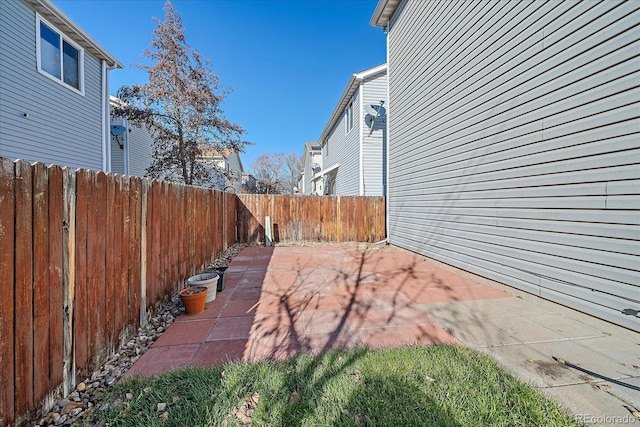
279, 302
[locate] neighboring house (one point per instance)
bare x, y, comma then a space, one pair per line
54, 103
514, 144
300, 185
131, 146
230, 174
249, 184
354, 140
312, 164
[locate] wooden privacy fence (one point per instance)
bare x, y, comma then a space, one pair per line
83, 256
311, 218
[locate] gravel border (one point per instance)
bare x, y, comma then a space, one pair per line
86, 396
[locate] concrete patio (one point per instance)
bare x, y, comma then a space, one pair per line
279, 302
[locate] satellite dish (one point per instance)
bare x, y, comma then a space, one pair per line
375, 110
117, 130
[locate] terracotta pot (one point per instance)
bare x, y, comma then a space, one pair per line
194, 298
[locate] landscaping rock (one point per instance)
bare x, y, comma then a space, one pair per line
61, 420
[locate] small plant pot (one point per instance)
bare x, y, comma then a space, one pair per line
208, 280
193, 298
222, 281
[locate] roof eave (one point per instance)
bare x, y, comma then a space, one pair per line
383, 12
57, 17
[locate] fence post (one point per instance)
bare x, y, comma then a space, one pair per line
68, 277
7, 331
144, 191
225, 221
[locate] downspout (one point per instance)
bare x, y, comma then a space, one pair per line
361, 135
106, 149
106, 117
125, 142
386, 142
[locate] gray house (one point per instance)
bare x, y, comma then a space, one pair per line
54, 88
354, 139
514, 144
311, 164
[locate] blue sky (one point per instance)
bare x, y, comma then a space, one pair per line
288, 60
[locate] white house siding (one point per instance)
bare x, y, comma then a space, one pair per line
309, 157
374, 90
63, 126
515, 145
344, 149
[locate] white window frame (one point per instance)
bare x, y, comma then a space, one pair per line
348, 116
63, 38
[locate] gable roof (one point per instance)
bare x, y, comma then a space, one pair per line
352, 87
383, 13
51, 13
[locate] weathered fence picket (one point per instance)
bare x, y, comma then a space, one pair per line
23, 287
55, 278
7, 291
68, 261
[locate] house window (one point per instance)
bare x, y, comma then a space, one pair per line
326, 147
58, 57
349, 118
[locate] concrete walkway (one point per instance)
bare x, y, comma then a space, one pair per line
279, 302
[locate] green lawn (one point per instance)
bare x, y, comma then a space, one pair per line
413, 386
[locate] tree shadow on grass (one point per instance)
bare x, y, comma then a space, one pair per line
406, 405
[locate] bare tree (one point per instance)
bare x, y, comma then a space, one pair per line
276, 173
180, 105
267, 169
293, 165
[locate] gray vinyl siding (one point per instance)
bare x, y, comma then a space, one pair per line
63, 126
345, 149
117, 155
140, 151
515, 145
374, 90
